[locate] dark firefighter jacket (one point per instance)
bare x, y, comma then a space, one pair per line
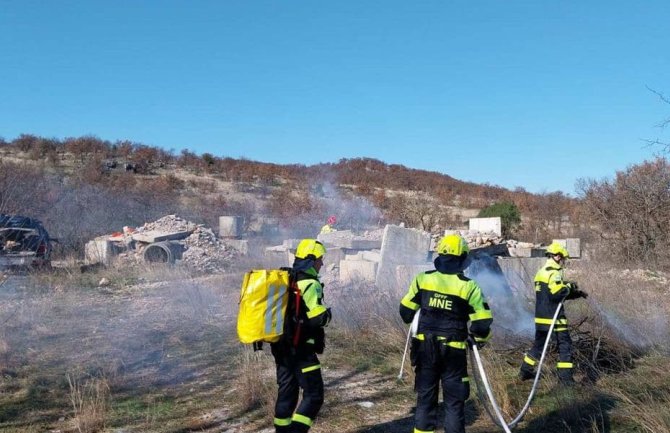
448, 300
550, 290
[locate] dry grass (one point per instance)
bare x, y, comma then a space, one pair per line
161, 357
90, 402
254, 384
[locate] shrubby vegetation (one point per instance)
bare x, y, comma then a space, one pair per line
92, 184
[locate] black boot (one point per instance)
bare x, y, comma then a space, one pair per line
565, 377
526, 374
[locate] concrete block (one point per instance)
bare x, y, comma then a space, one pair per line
240, 245
98, 250
339, 238
573, 245
333, 256
520, 273
230, 226
371, 256
365, 244
354, 271
358, 255
401, 246
404, 274
486, 225
520, 251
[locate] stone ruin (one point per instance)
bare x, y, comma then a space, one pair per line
389, 257
170, 239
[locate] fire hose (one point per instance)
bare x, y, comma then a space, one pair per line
481, 374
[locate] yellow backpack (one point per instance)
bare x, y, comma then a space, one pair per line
264, 299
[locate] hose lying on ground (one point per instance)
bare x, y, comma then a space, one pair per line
481, 375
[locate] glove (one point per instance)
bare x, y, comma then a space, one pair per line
480, 344
329, 317
573, 287
582, 294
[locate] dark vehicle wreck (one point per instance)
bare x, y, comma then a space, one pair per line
24, 242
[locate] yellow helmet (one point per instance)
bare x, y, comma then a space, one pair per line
557, 249
310, 247
453, 245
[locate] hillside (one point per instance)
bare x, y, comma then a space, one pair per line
100, 184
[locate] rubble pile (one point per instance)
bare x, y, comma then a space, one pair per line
205, 252
169, 224
170, 239
477, 239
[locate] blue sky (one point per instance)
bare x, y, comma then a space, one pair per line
527, 93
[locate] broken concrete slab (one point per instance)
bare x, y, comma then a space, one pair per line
151, 236
401, 246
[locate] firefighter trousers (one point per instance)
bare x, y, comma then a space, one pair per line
297, 369
564, 344
438, 363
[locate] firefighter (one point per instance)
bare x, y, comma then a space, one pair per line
447, 300
550, 290
295, 354
328, 227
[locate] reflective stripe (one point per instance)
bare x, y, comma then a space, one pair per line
481, 315
528, 360
311, 368
484, 339
564, 365
319, 309
279, 327
282, 421
560, 329
454, 344
541, 321
457, 344
409, 304
274, 308
416, 430
465, 379
302, 419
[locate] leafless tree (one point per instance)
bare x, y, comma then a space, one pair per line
665, 145
631, 213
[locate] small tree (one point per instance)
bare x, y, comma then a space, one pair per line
510, 218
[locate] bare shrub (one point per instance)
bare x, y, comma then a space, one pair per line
631, 213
